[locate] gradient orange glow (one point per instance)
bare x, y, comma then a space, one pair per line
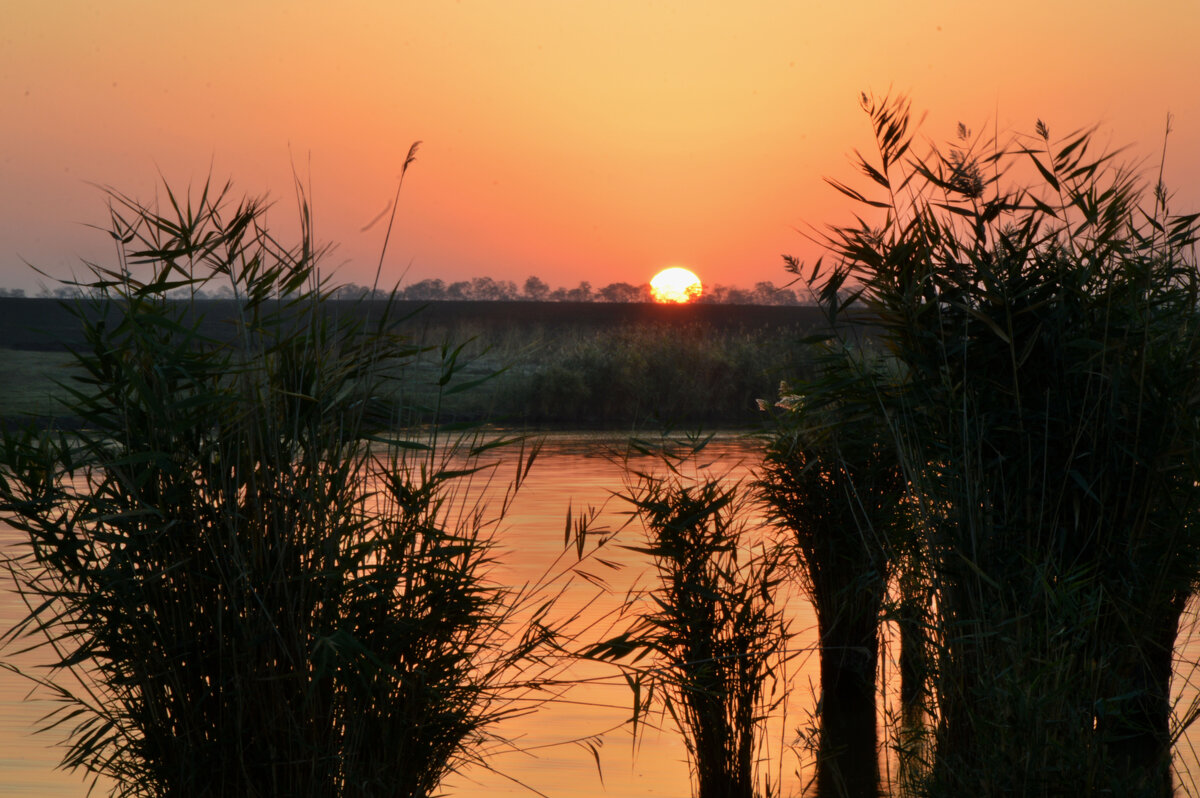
675, 285
573, 141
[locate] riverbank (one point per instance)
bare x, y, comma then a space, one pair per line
533, 364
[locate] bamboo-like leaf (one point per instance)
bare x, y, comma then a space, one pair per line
1047, 175
855, 195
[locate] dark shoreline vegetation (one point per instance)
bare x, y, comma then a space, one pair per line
1007, 469
547, 364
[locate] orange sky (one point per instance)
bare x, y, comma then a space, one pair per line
595, 141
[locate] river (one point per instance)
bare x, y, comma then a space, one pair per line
577, 746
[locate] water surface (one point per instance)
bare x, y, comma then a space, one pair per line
557, 746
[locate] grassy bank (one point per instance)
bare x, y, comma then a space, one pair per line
603, 365
629, 375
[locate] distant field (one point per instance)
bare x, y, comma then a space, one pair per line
584, 364
45, 324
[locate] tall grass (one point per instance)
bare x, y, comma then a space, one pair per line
630, 375
710, 630
247, 588
1048, 334
832, 480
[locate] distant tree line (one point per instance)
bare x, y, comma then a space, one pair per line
537, 290
486, 289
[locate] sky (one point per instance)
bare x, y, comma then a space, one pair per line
569, 139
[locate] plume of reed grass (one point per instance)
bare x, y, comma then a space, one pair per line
249, 585
1049, 335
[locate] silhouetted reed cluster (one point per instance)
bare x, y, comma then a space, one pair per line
247, 585
1035, 421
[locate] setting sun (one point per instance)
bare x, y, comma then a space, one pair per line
675, 285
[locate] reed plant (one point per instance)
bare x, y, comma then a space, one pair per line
247, 584
709, 640
1044, 308
831, 477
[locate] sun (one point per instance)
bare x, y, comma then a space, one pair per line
675, 284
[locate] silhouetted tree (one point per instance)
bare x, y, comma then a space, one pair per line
458, 290
485, 288
352, 291
536, 289
426, 290
738, 296
621, 292
767, 293
581, 294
